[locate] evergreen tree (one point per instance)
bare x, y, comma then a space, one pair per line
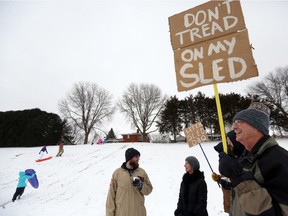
111, 134
29, 128
187, 110
231, 104
68, 132
201, 107
170, 118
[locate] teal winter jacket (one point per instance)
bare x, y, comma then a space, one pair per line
22, 179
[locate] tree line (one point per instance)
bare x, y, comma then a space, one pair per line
29, 128
179, 114
87, 107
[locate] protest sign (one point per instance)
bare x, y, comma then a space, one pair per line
195, 134
211, 45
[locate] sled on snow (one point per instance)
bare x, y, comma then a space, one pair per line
44, 159
33, 181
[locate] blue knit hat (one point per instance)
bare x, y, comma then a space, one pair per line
256, 116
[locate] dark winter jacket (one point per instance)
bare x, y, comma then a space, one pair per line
43, 149
268, 195
192, 196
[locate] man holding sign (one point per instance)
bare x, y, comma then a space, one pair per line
259, 176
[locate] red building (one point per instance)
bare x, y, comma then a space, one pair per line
135, 137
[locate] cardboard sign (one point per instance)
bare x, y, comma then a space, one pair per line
204, 22
195, 134
223, 59
211, 45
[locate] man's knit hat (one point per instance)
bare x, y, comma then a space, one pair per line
260, 106
257, 115
194, 163
130, 153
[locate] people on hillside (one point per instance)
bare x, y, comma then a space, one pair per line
61, 149
43, 151
128, 186
193, 191
259, 176
105, 140
99, 142
235, 149
21, 185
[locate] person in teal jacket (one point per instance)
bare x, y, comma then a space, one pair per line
21, 185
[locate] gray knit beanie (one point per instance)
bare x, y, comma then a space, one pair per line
256, 118
194, 163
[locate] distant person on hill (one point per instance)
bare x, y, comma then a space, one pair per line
61, 149
21, 185
128, 186
42, 152
99, 142
193, 191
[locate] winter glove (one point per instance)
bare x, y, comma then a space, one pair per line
137, 183
231, 168
178, 212
215, 177
225, 184
219, 149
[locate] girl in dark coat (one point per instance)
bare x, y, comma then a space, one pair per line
193, 191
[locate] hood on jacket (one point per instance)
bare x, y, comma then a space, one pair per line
21, 173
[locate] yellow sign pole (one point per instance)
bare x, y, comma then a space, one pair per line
220, 117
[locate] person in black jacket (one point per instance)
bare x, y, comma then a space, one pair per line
235, 149
193, 191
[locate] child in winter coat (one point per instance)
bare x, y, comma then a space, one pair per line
21, 185
61, 149
42, 151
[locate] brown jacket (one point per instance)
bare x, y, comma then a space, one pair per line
123, 198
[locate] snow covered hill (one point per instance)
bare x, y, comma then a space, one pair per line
77, 183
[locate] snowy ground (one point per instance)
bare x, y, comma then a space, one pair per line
77, 183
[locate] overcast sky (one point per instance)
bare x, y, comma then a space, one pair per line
46, 47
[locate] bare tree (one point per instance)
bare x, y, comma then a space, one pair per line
274, 90
86, 107
141, 105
